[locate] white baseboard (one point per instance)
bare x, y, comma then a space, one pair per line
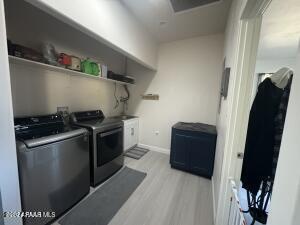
213, 198
155, 148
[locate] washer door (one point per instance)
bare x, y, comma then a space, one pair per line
109, 146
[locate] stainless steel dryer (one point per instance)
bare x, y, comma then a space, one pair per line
106, 143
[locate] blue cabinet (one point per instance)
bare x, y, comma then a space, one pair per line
193, 148
179, 154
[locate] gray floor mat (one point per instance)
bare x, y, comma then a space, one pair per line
132, 155
136, 152
141, 149
100, 207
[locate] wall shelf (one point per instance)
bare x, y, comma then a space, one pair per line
26, 62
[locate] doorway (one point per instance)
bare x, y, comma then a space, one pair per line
276, 58
245, 55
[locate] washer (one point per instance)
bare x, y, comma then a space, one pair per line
53, 163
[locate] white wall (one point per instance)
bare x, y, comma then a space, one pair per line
9, 182
285, 203
272, 65
37, 91
107, 21
188, 84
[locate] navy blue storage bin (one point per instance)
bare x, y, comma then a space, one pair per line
193, 148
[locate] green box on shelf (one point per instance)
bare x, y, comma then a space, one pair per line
90, 67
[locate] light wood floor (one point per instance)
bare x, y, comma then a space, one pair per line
166, 196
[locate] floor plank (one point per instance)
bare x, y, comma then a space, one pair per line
166, 196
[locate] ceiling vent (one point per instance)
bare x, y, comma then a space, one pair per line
182, 5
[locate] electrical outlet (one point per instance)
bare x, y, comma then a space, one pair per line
64, 110
156, 132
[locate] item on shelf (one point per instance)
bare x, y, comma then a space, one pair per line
150, 97
90, 67
50, 54
104, 71
64, 59
95, 69
24, 52
119, 77
100, 69
10, 47
75, 63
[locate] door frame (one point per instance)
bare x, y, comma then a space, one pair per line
243, 72
9, 178
1, 211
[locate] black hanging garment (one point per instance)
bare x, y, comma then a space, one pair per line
259, 148
279, 124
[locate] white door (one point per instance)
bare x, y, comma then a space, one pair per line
135, 137
247, 31
131, 135
131, 129
134, 124
127, 136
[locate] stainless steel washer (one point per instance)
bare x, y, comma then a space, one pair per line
53, 163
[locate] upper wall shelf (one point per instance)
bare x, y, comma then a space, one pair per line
141, 48
26, 62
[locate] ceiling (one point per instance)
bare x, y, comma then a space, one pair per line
165, 25
280, 30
